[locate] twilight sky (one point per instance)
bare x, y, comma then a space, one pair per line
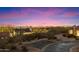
39, 16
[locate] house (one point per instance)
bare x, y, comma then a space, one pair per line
74, 31
4, 35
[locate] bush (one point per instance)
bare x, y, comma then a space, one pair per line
24, 49
64, 35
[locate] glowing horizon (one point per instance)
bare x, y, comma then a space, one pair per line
39, 16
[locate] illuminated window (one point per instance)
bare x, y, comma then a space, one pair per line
70, 31
77, 33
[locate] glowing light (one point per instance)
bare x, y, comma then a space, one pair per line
27, 33
70, 31
77, 33
11, 35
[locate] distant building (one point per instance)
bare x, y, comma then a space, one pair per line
74, 30
20, 31
11, 32
23, 30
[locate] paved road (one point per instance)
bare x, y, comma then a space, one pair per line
38, 43
60, 46
41, 44
62, 38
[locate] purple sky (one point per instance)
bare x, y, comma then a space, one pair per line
39, 16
